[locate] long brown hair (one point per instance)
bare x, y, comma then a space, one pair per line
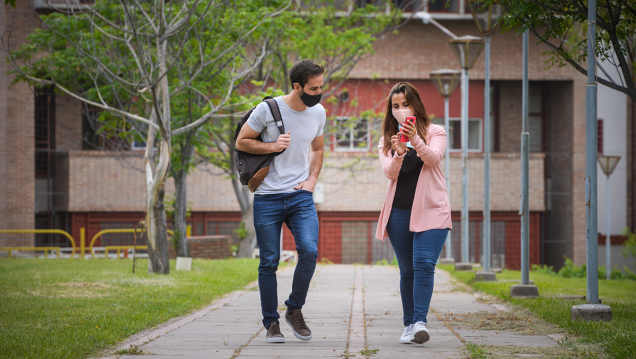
390, 126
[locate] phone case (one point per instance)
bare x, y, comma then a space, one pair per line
404, 138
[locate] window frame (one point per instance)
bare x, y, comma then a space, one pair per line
351, 149
480, 148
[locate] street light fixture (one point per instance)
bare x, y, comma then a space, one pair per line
483, 16
445, 82
608, 164
466, 49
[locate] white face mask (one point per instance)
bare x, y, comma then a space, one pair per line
401, 115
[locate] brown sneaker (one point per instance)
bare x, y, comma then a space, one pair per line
297, 322
274, 335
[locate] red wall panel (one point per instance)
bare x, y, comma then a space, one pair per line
372, 94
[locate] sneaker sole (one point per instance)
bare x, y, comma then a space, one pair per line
405, 341
275, 340
296, 334
421, 337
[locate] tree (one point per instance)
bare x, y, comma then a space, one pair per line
136, 60
335, 38
563, 26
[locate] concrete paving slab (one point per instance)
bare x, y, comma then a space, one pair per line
348, 308
500, 338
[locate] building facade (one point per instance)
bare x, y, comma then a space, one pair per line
53, 179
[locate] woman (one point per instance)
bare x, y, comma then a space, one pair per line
416, 212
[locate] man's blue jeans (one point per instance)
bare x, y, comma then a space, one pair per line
298, 211
417, 254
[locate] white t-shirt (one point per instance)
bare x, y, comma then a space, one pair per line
292, 167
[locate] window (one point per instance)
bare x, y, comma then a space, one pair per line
222, 228
138, 145
455, 136
350, 134
440, 6
535, 118
120, 239
475, 242
380, 249
44, 131
409, 5
355, 241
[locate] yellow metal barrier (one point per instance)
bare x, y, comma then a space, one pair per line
42, 231
45, 249
120, 248
121, 230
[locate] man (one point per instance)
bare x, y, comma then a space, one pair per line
286, 193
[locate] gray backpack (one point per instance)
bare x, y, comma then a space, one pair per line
252, 168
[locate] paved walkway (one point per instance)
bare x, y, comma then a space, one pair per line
349, 309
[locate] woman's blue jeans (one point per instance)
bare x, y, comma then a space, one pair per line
417, 254
298, 211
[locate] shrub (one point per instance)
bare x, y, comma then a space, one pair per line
629, 247
571, 270
544, 269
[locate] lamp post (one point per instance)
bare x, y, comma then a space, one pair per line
608, 164
525, 289
592, 310
445, 82
466, 49
483, 15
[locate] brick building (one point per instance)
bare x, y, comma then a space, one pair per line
53, 179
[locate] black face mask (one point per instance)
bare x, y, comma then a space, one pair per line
310, 100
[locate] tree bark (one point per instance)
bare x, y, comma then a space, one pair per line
247, 244
158, 262
181, 208
156, 222
245, 199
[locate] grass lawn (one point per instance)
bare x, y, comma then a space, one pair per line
618, 336
74, 308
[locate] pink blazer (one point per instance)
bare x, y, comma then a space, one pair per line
431, 205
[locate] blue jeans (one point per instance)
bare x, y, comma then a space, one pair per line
417, 254
298, 211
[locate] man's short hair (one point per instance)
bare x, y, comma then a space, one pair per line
303, 70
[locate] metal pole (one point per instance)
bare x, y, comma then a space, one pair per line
608, 255
486, 237
525, 178
464, 128
449, 245
590, 161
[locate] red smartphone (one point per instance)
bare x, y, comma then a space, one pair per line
412, 119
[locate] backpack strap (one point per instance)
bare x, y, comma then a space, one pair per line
275, 110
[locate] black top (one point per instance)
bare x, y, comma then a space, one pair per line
407, 180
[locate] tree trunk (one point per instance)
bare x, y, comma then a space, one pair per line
156, 222
180, 212
247, 244
158, 253
245, 199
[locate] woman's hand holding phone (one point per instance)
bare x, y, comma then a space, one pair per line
408, 129
397, 146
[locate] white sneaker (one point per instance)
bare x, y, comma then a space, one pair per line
420, 334
407, 335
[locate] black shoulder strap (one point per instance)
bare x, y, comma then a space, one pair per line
273, 107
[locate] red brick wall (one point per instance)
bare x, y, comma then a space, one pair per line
68, 123
418, 49
559, 169
372, 94
208, 247
17, 149
578, 170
